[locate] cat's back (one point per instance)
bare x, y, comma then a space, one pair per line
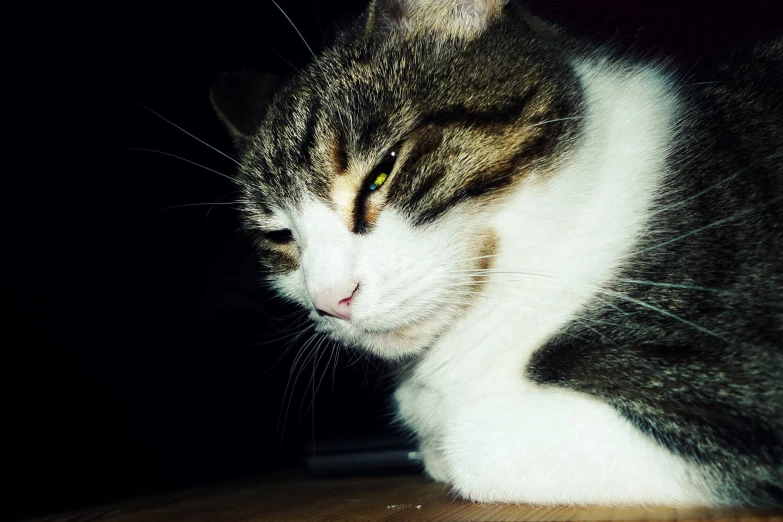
714, 234
727, 169
745, 96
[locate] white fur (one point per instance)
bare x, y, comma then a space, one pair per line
483, 428
486, 430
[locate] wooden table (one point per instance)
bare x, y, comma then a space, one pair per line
294, 496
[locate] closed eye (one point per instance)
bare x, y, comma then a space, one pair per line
280, 237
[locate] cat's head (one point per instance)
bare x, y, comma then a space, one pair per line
371, 178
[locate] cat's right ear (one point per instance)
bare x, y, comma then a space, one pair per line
240, 100
458, 18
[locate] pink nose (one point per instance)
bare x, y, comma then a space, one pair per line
336, 302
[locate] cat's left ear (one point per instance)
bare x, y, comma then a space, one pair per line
240, 100
459, 18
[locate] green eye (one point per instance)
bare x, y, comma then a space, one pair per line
378, 181
382, 171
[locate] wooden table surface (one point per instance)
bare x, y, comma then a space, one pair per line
294, 496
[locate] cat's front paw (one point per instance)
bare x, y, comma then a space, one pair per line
434, 463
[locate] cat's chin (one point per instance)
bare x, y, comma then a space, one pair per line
392, 343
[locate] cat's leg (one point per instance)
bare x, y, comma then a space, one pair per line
717, 406
434, 461
558, 447
420, 409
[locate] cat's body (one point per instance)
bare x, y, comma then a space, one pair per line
575, 256
636, 198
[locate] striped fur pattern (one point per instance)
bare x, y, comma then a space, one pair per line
573, 257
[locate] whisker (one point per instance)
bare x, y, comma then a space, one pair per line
298, 312
315, 57
310, 341
602, 336
189, 134
312, 424
482, 257
284, 59
705, 227
184, 205
493, 271
290, 345
297, 359
662, 312
481, 282
698, 194
219, 200
578, 338
355, 359
318, 386
233, 180
295, 29
336, 349
311, 353
485, 296
697, 288
280, 338
553, 121
311, 384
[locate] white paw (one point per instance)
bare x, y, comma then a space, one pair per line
559, 448
434, 463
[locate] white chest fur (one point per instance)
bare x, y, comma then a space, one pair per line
485, 429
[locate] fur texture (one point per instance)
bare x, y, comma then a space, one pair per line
573, 257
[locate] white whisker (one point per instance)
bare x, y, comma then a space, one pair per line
705, 227
295, 29
220, 202
698, 289
553, 121
189, 134
699, 194
289, 392
185, 205
233, 180
311, 384
663, 312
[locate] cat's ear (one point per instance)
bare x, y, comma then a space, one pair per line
240, 100
461, 18
538, 26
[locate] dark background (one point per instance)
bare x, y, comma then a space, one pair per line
138, 344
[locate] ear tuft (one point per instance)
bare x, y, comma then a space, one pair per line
460, 18
240, 100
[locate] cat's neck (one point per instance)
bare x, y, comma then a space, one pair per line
568, 234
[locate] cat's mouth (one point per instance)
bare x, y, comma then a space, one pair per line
388, 342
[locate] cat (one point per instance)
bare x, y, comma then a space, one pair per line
572, 255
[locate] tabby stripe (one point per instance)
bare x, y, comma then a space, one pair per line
424, 142
484, 182
308, 137
278, 258
339, 154
459, 114
359, 211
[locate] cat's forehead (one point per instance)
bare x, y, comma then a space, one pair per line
328, 128
346, 107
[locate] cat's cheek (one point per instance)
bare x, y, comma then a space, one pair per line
291, 287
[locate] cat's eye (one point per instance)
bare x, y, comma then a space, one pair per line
280, 237
382, 171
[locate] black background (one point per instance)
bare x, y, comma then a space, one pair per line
138, 342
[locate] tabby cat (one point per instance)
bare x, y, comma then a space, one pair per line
574, 256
